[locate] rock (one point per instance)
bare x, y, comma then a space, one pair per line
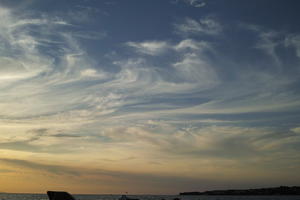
59, 195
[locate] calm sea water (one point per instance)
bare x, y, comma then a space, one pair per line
8, 196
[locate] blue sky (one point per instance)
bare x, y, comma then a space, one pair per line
160, 96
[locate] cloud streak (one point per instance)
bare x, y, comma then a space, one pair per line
206, 26
193, 3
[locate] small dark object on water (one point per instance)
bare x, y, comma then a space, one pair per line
124, 197
59, 195
176, 199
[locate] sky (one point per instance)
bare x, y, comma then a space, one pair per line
149, 97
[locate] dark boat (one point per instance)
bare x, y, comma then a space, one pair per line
124, 197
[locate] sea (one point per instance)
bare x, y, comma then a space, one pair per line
9, 196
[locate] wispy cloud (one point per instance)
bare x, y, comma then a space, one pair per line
56, 169
293, 41
196, 3
296, 130
208, 142
193, 45
150, 47
193, 3
207, 26
101, 177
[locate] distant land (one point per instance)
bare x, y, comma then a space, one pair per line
282, 190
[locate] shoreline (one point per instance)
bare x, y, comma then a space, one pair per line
275, 191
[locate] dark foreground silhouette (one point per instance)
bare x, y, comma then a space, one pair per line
282, 190
60, 195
